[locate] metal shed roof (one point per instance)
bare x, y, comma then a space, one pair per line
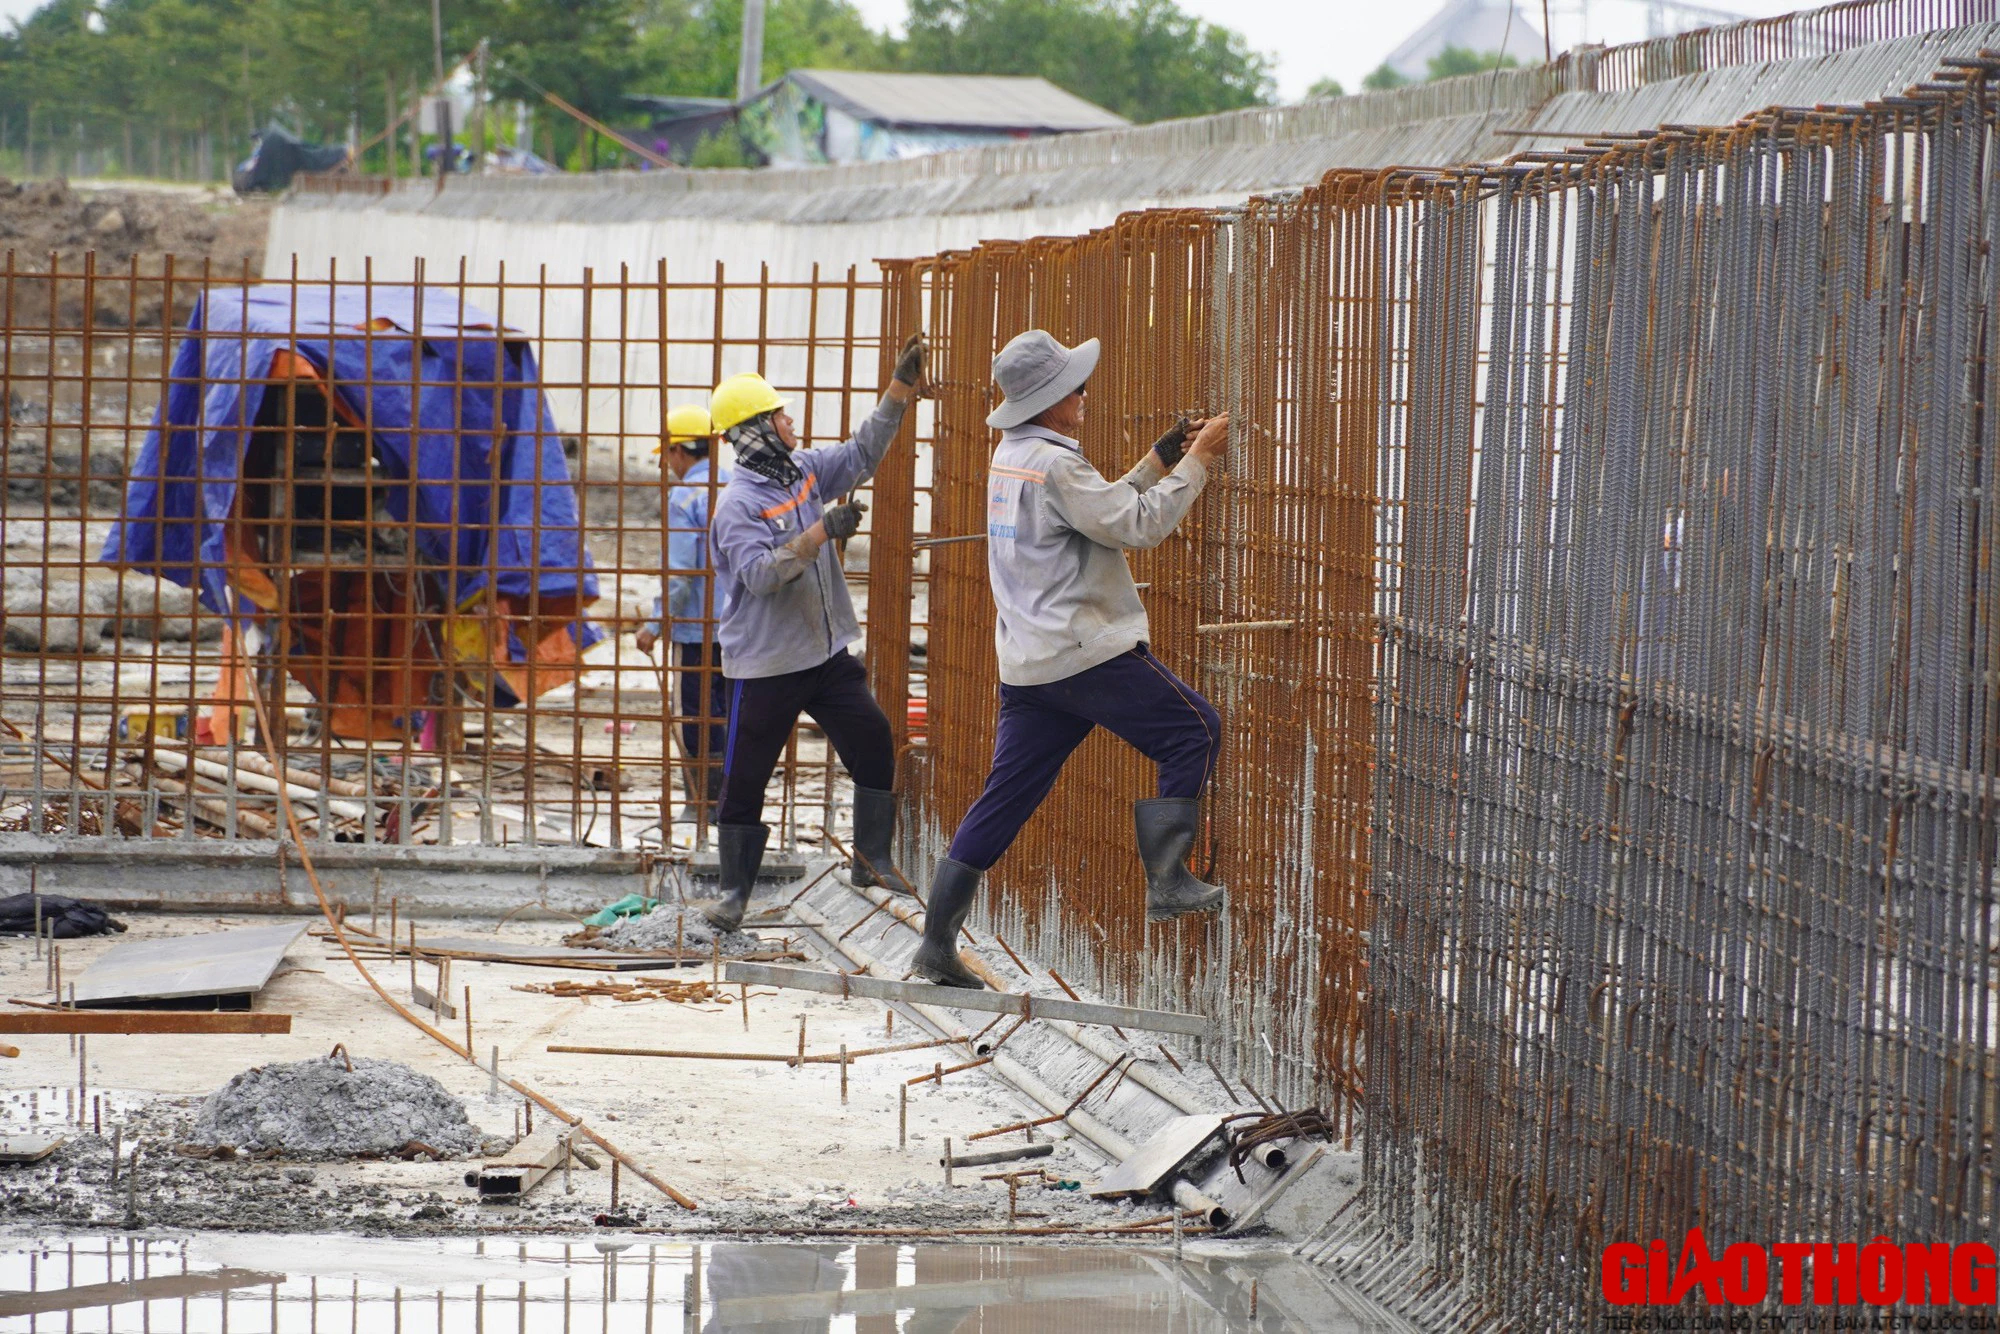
984, 101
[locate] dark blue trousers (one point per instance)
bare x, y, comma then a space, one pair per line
703, 694
1133, 696
762, 711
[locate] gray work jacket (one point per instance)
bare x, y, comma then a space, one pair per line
1056, 538
784, 614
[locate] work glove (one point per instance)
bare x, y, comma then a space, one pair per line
842, 521
910, 361
1171, 446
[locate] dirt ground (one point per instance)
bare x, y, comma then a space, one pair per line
760, 1145
128, 230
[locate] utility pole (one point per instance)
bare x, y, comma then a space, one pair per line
443, 103
750, 63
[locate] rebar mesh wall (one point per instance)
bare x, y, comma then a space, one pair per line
1258, 313
422, 702
1688, 778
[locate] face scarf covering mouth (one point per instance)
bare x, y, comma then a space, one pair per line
762, 450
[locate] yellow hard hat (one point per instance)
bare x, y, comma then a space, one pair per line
741, 397
686, 423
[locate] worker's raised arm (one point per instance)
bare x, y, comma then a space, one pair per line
1139, 509
840, 468
1119, 514
1144, 474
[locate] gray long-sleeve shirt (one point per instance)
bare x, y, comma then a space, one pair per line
1056, 537
785, 611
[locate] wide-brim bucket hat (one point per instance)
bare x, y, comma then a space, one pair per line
1035, 372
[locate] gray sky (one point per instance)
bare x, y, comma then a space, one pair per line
1344, 38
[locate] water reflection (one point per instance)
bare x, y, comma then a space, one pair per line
212, 1284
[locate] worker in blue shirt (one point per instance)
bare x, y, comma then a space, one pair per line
789, 620
691, 620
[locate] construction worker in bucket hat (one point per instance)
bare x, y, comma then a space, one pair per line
684, 614
788, 621
1072, 637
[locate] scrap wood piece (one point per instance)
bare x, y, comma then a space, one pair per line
673, 989
524, 1166
143, 1021
956, 998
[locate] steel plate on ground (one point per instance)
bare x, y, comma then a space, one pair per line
218, 963
1159, 1157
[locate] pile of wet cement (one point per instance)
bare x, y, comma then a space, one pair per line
669, 924
321, 1108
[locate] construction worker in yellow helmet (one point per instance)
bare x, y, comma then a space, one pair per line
684, 614
787, 621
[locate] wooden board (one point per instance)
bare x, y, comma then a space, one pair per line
142, 1021
523, 1167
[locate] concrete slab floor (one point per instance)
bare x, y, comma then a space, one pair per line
759, 1145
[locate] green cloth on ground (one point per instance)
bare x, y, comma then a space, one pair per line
632, 905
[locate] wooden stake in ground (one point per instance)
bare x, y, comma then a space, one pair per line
903, 1120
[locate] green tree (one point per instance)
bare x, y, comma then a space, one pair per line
584, 51
1456, 60
1145, 59
689, 47
1382, 78
1327, 87
723, 148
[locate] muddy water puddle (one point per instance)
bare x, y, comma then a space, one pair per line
251, 1284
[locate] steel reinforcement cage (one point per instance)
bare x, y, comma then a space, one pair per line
1671, 459
1598, 601
414, 520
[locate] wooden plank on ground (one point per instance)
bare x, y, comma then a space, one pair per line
524, 1166
143, 1021
958, 998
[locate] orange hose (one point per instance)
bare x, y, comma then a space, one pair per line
334, 923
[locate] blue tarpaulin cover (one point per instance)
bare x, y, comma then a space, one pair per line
431, 379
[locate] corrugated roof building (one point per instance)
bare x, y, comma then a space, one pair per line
1479, 26
819, 115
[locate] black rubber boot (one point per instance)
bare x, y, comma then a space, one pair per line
874, 835
1166, 828
945, 912
740, 848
